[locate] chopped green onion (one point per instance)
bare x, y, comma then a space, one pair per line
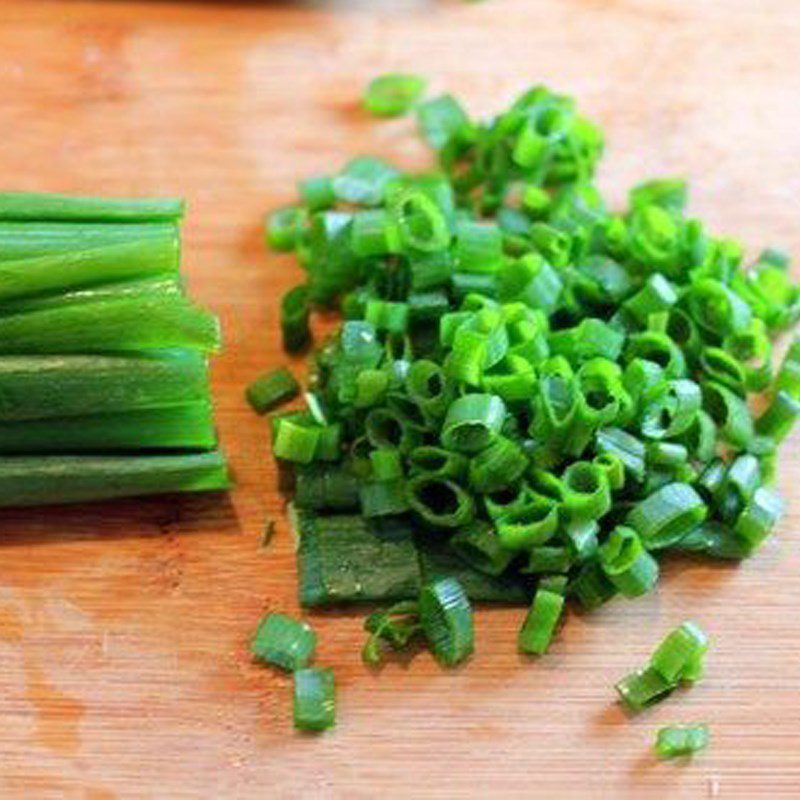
528, 388
643, 688
284, 641
631, 569
674, 741
540, 624
314, 699
472, 421
393, 95
479, 545
667, 515
678, 650
440, 502
447, 620
272, 389
295, 311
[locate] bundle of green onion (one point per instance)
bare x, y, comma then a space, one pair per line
103, 359
529, 392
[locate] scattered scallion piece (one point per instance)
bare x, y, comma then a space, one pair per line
392, 95
284, 641
314, 699
679, 657
684, 740
271, 390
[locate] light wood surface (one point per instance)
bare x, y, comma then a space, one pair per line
124, 669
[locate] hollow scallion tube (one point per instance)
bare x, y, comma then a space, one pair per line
27, 240
314, 699
627, 564
393, 94
540, 624
685, 740
61, 271
283, 641
446, 617
48, 480
111, 325
667, 515
39, 207
272, 389
45, 387
180, 427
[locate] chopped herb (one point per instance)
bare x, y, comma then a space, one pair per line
529, 389
674, 741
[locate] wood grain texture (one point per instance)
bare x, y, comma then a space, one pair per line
124, 669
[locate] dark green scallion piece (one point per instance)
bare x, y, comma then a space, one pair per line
271, 390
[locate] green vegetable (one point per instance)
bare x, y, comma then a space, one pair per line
113, 325
283, 641
180, 427
44, 387
393, 95
46, 480
446, 617
30, 240
528, 388
396, 626
271, 390
680, 649
62, 208
314, 699
643, 688
540, 624
64, 270
679, 657
346, 559
686, 740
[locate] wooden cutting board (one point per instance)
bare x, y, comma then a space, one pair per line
124, 669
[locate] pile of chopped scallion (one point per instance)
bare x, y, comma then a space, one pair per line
104, 386
531, 398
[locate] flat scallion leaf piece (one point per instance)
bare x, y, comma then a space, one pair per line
446, 616
271, 390
343, 558
314, 699
284, 642
393, 95
685, 740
